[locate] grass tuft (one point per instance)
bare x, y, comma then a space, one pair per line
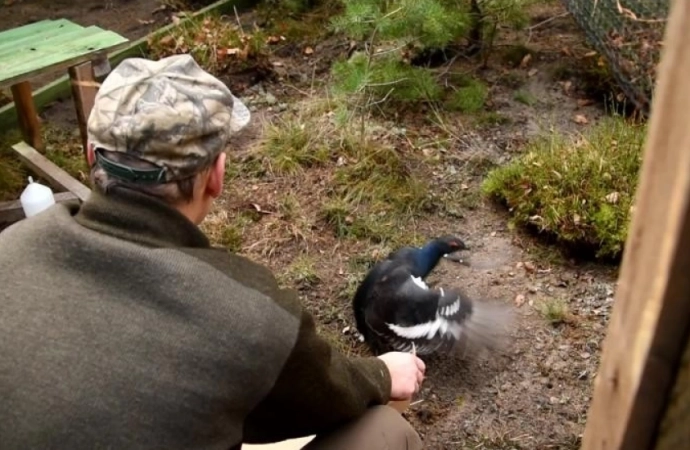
289, 146
578, 191
301, 273
554, 310
371, 189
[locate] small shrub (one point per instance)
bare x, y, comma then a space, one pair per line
579, 191
386, 78
469, 97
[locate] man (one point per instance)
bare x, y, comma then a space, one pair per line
120, 327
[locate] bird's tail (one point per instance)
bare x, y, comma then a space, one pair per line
487, 328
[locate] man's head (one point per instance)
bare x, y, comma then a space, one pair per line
161, 127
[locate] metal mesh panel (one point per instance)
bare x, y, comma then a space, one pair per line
629, 35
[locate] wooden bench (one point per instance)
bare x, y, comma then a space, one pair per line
45, 47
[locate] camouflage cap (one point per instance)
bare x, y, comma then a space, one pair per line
169, 112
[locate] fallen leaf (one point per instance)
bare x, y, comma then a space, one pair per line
463, 186
567, 85
175, 20
566, 51
576, 219
612, 197
529, 267
308, 51
519, 300
525, 61
228, 51
581, 119
272, 39
166, 40
584, 102
532, 72
590, 54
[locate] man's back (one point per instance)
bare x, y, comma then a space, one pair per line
113, 343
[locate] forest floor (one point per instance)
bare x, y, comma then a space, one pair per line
534, 397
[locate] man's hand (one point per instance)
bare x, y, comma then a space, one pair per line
407, 374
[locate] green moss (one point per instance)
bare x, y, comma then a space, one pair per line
579, 191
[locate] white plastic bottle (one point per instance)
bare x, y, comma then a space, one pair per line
36, 198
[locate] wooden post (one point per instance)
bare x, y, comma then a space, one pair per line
27, 115
651, 314
84, 89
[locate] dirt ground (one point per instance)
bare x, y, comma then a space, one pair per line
534, 397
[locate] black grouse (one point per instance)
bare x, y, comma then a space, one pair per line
394, 308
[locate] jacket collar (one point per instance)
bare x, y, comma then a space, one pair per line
130, 215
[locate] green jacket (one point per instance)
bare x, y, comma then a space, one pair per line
121, 327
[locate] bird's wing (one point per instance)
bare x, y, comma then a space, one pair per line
402, 253
413, 311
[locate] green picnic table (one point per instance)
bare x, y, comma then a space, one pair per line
41, 48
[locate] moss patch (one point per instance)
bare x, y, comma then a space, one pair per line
578, 190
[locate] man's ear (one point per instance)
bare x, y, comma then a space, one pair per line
90, 155
216, 177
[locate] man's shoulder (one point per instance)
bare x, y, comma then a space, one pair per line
246, 272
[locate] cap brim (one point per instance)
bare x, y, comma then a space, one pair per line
240, 115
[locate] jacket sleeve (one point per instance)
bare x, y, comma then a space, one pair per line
318, 389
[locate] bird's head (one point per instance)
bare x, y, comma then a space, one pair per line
450, 244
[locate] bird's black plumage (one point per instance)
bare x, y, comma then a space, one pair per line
394, 308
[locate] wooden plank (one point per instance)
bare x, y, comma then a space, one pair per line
55, 175
16, 53
69, 42
651, 312
36, 37
13, 212
60, 88
84, 89
15, 34
63, 58
26, 112
674, 432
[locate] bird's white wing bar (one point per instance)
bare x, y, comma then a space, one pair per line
418, 281
427, 330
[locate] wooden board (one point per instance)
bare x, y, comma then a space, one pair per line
651, 313
12, 211
56, 176
20, 39
45, 46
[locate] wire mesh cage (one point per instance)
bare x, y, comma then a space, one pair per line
629, 35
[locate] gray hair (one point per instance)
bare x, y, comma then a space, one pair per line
173, 193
